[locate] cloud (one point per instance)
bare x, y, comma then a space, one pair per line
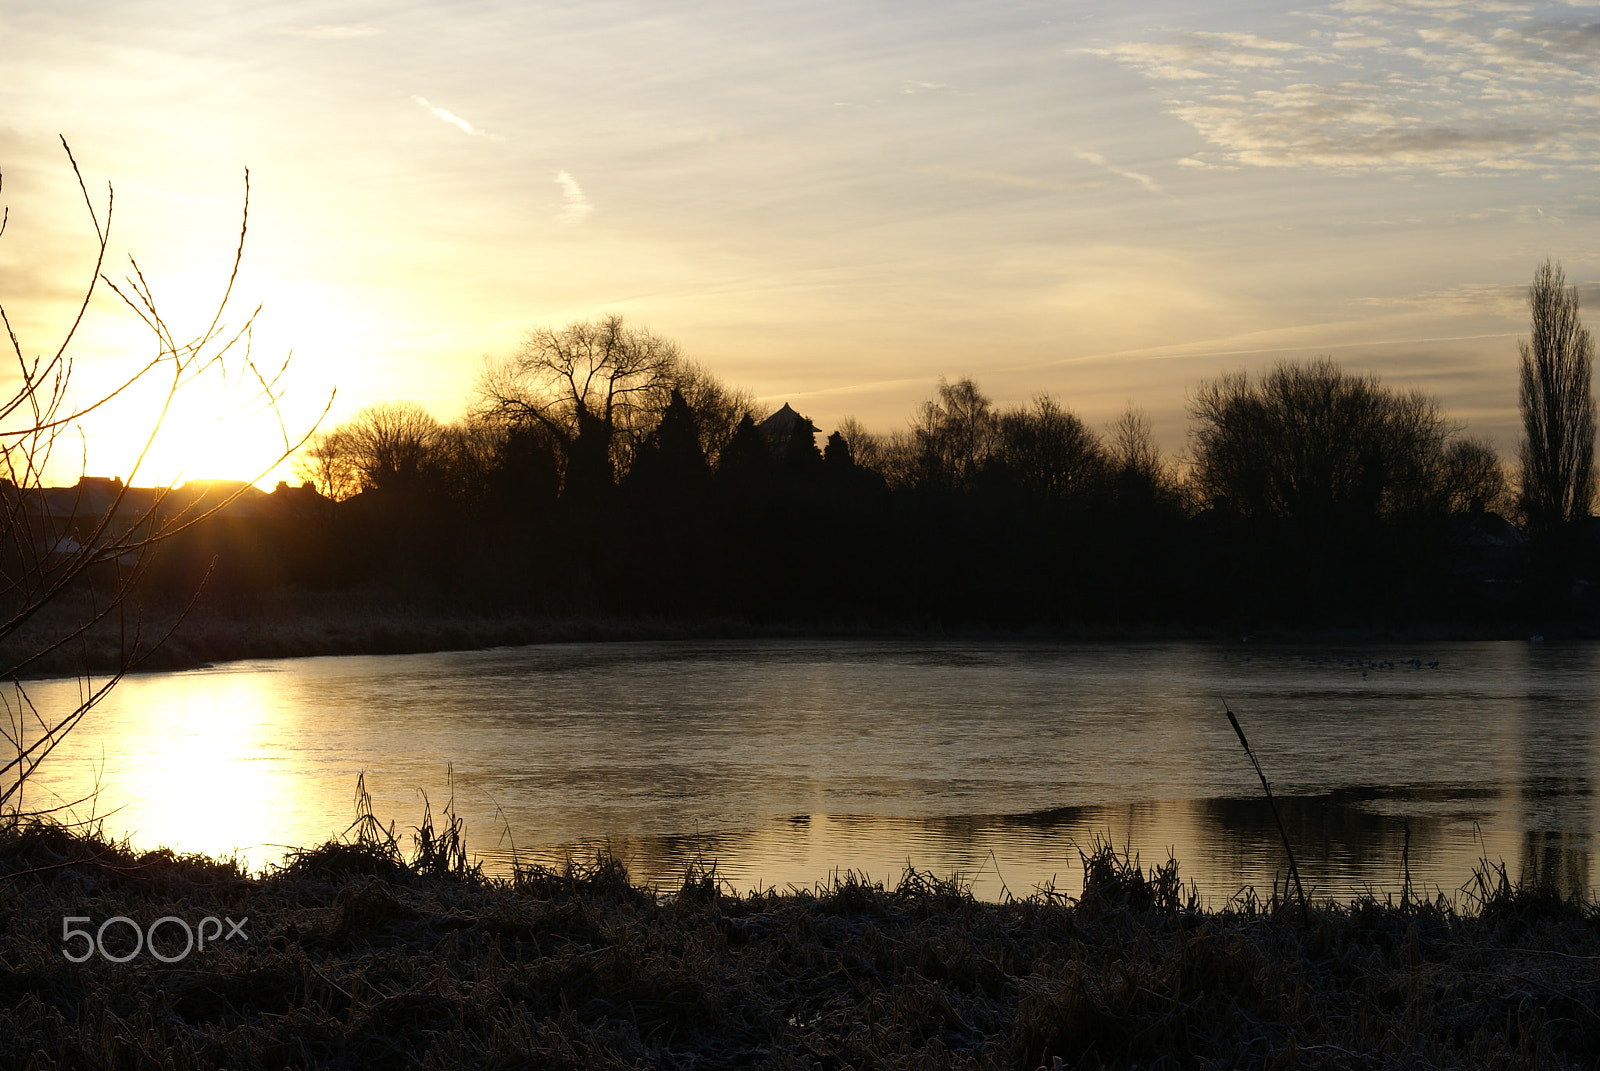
1250, 40
1186, 62
331, 32
1450, 10
577, 208
1497, 298
1132, 176
1452, 86
1358, 40
1345, 125
1202, 54
451, 118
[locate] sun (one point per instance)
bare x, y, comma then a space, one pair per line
217, 425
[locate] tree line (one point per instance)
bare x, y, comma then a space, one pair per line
599, 471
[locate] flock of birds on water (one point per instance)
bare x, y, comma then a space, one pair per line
1365, 665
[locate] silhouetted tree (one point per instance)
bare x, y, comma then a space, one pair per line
1557, 408
1134, 453
746, 462
327, 463
388, 447
1474, 480
526, 476
671, 460
462, 459
1048, 452
1329, 491
583, 384
1316, 446
891, 457
836, 454
590, 471
597, 388
862, 444
955, 435
717, 407
799, 454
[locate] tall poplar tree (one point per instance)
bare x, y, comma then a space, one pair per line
1557, 407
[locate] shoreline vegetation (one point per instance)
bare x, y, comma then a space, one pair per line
361, 954
1313, 501
602, 486
310, 625
690, 520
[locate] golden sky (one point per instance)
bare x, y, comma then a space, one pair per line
831, 204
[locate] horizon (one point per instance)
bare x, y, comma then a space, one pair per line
834, 210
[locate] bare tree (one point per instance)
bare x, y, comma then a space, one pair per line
1048, 451
390, 446
866, 449
717, 407
465, 457
328, 463
1557, 407
1315, 445
955, 434
1133, 446
82, 551
898, 458
1475, 482
583, 384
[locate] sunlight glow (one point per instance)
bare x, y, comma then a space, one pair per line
1020, 196
185, 762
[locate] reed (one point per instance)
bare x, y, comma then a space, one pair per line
1266, 786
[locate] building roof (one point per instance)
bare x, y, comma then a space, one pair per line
779, 428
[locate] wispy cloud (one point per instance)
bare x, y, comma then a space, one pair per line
1452, 86
577, 207
1197, 56
332, 32
1132, 176
1498, 298
1344, 125
451, 117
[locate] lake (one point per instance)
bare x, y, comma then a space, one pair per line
787, 761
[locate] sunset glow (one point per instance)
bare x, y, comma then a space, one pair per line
829, 205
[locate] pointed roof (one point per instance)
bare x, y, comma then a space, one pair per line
778, 427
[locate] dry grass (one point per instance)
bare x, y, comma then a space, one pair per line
362, 955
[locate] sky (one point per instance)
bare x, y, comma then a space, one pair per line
832, 205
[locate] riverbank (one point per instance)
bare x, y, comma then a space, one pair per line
300, 625
352, 955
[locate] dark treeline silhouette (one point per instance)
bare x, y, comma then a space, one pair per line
601, 473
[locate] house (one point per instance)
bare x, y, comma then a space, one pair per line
783, 428
1490, 555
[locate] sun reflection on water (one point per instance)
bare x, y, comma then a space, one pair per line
184, 761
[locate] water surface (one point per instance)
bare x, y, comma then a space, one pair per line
785, 761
